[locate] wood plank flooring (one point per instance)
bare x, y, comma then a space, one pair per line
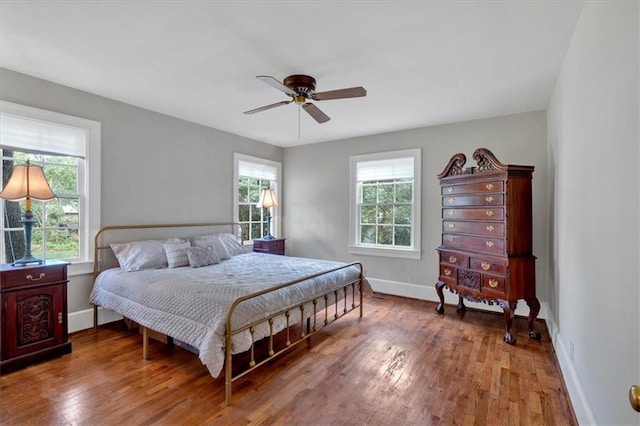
402, 364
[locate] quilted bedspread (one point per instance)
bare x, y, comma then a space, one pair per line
191, 304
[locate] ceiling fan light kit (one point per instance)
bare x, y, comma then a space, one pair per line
301, 88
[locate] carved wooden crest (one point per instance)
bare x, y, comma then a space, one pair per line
484, 158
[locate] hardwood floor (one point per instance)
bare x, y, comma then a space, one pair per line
402, 364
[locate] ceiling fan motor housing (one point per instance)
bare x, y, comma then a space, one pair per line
303, 85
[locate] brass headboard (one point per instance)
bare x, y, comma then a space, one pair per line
103, 257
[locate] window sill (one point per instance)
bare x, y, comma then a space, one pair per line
386, 252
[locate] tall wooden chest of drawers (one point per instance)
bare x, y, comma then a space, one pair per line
33, 314
486, 252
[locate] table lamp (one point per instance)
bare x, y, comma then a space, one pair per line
27, 182
267, 200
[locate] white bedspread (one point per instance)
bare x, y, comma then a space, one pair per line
191, 304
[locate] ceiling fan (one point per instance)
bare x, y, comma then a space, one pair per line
301, 89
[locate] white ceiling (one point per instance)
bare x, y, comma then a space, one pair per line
422, 62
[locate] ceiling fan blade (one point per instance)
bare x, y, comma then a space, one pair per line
315, 112
266, 107
271, 81
351, 92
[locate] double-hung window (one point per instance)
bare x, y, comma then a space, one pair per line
68, 150
385, 204
252, 175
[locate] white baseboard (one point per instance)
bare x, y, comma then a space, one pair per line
577, 396
81, 320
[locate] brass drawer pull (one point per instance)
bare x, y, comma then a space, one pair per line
451, 200
451, 225
493, 283
447, 271
451, 212
490, 244
489, 213
450, 190
450, 238
452, 259
486, 266
489, 199
490, 228
30, 277
489, 186
59, 317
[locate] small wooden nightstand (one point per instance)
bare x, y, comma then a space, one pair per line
33, 314
272, 246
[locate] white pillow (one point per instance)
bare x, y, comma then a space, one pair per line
176, 254
139, 255
202, 256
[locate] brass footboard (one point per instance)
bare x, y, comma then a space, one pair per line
339, 306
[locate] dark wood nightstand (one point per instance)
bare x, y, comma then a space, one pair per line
33, 314
272, 246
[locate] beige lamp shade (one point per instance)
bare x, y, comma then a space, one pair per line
268, 199
27, 182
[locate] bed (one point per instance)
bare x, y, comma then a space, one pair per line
220, 308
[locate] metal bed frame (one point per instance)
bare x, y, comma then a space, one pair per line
335, 301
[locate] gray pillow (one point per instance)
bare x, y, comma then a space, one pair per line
139, 255
231, 243
176, 254
216, 242
202, 256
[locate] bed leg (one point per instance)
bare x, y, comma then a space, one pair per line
145, 342
95, 317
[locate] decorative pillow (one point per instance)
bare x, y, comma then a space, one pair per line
218, 246
231, 243
202, 256
139, 255
176, 254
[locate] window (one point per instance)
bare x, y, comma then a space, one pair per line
385, 204
252, 175
68, 149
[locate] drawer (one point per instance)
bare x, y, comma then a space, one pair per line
493, 284
485, 264
470, 188
453, 258
473, 200
478, 228
274, 246
489, 213
30, 276
479, 244
448, 274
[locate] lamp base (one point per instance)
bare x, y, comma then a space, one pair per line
269, 237
27, 260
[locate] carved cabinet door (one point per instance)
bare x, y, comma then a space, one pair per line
37, 318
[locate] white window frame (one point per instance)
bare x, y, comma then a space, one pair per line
355, 247
88, 179
275, 185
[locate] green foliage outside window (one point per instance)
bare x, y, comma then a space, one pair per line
385, 212
252, 219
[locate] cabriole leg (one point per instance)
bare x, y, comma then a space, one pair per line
461, 309
534, 308
440, 307
509, 309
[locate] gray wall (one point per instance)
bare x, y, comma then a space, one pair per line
593, 157
316, 194
155, 168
